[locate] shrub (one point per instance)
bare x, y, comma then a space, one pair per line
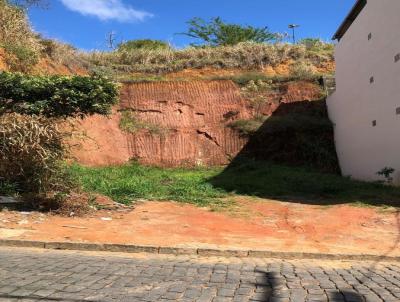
62, 53
16, 37
216, 32
143, 44
32, 154
302, 70
56, 96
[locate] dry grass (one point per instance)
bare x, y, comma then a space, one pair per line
246, 56
31, 154
17, 38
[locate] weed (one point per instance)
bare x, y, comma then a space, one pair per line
248, 127
131, 123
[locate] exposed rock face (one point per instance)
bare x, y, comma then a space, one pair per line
179, 124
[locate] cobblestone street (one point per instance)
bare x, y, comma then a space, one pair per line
42, 275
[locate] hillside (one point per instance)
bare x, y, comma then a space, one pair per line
178, 107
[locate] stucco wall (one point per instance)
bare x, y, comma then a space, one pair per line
363, 149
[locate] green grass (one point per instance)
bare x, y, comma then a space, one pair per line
131, 182
204, 186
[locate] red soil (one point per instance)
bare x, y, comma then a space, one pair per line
191, 118
252, 224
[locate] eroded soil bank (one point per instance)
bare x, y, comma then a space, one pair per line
255, 224
178, 123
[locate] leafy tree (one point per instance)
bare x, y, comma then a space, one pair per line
216, 32
143, 44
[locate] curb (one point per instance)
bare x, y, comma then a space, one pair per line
126, 248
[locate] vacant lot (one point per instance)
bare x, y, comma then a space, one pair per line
204, 186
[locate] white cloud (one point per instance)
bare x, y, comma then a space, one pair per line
107, 10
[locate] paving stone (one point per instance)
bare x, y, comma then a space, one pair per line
70, 276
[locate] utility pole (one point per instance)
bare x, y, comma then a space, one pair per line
293, 28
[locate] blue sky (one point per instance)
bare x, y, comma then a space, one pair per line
85, 23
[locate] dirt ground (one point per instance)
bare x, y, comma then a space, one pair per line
247, 224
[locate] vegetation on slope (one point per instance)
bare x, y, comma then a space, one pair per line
246, 56
299, 134
244, 49
203, 186
32, 146
56, 96
17, 38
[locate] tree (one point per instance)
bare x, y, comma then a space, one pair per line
143, 44
216, 32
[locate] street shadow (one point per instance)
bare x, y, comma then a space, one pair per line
292, 157
272, 287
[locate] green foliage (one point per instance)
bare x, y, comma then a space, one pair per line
146, 44
204, 186
216, 32
298, 134
131, 182
56, 96
248, 127
304, 185
131, 123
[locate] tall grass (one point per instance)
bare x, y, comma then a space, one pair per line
17, 38
248, 56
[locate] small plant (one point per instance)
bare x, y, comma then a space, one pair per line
387, 173
248, 127
131, 123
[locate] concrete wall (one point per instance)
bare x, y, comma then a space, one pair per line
364, 149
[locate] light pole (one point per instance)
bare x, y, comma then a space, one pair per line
293, 28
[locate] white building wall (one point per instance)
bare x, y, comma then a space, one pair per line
363, 149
